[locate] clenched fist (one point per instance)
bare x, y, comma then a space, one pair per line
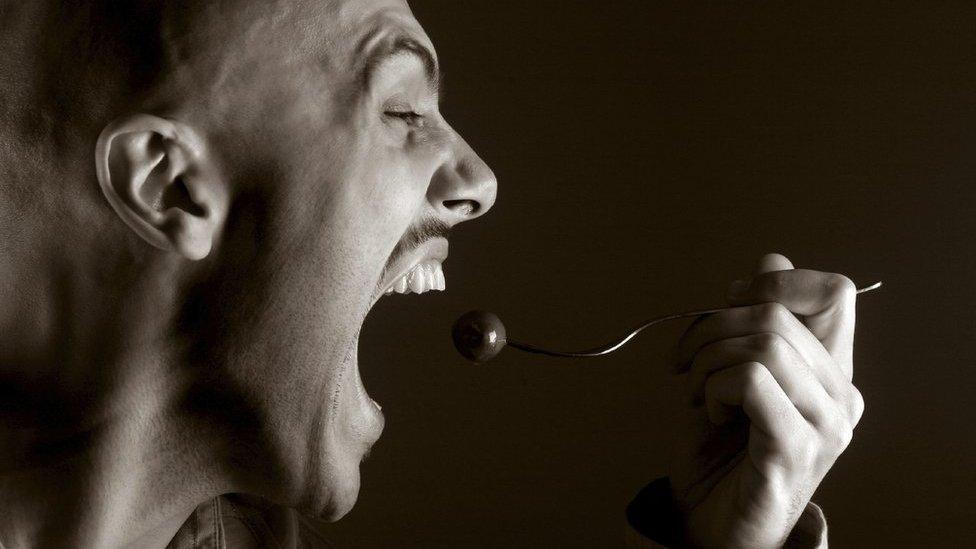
770, 402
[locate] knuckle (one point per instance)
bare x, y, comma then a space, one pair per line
840, 288
856, 405
843, 438
776, 346
839, 435
771, 314
754, 377
805, 450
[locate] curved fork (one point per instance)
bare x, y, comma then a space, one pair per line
614, 345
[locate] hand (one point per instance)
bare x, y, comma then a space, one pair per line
771, 405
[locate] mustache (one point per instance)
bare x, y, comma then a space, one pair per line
415, 236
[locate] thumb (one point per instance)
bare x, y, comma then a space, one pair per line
772, 262
767, 264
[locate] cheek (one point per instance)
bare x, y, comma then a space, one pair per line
429, 144
395, 185
373, 180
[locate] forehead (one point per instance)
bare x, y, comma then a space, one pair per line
353, 29
372, 25
335, 32
252, 51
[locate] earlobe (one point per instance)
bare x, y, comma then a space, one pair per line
161, 181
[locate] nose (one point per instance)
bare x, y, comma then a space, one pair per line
463, 187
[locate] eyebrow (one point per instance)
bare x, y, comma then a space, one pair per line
401, 45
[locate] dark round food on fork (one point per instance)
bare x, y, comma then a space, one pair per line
479, 335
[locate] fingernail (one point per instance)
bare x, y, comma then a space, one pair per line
738, 288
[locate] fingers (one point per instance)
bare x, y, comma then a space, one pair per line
767, 318
781, 443
751, 388
777, 364
803, 291
825, 300
787, 367
772, 262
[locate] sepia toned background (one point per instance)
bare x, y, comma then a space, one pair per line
647, 154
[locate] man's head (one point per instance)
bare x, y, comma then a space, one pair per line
263, 173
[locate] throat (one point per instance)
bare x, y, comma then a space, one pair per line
126, 471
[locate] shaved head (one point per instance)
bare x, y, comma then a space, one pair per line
200, 202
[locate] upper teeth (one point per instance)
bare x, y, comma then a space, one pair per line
425, 276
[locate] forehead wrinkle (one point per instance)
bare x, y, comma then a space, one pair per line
386, 39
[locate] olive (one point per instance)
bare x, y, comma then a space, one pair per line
478, 335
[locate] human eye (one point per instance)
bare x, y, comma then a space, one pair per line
401, 109
406, 115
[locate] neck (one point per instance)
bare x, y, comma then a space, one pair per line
107, 482
100, 443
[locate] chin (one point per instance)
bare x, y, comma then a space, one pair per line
335, 500
331, 486
354, 424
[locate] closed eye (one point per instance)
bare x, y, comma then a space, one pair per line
410, 117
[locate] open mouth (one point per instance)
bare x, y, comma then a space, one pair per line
416, 272
425, 276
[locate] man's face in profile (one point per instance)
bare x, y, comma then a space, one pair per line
345, 179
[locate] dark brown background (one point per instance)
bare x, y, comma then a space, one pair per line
647, 154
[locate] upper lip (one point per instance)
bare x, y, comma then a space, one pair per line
436, 249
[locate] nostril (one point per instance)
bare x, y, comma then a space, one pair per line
463, 208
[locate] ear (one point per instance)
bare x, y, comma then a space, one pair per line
160, 179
